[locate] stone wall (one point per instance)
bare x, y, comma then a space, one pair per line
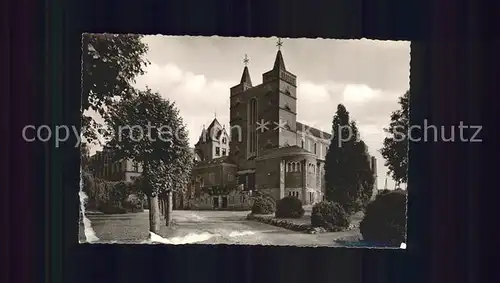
236, 200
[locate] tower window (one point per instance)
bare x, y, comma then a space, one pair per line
315, 148
252, 121
224, 140
302, 143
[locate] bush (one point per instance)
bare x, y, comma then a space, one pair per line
106, 196
329, 215
133, 204
263, 205
289, 207
110, 208
385, 219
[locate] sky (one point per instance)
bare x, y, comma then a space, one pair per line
367, 76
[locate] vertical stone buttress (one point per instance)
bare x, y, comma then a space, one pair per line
317, 193
304, 181
282, 179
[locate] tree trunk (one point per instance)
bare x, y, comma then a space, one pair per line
164, 201
162, 207
168, 209
154, 215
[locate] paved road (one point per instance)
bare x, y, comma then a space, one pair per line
202, 227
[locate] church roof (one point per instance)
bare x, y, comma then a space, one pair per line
283, 151
313, 131
245, 77
213, 132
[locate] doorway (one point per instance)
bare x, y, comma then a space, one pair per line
224, 202
216, 202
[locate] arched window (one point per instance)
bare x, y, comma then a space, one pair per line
293, 167
289, 167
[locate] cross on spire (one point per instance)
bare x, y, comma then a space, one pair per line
246, 60
279, 43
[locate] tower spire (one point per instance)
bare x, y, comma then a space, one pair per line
279, 63
245, 77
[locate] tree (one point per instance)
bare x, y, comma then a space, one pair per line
148, 129
361, 161
349, 180
110, 62
395, 148
84, 156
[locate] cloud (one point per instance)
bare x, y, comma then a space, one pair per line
359, 93
198, 97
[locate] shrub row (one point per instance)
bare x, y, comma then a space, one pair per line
287, 207
279, 223
384, 222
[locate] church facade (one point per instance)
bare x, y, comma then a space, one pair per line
264, 150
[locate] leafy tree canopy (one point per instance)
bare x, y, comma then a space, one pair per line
110, 62
395, 147
149, 129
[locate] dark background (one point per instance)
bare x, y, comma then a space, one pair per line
453, 68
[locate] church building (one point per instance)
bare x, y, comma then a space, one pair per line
264, 150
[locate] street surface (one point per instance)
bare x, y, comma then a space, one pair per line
201, 227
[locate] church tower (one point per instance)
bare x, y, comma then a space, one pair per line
242, 136
281, 97
273, 102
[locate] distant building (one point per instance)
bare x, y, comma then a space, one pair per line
104, 168
286, 159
